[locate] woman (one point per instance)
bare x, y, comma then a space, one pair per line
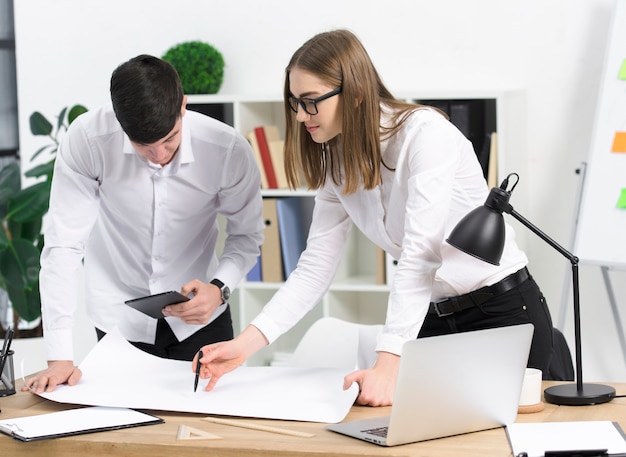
404, 175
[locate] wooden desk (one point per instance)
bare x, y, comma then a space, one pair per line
160, 440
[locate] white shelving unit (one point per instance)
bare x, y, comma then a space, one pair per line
354, 294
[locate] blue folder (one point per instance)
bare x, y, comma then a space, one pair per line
291, 232
255, 272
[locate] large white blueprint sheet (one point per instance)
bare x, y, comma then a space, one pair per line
115, 373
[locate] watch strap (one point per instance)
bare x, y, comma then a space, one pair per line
224, 290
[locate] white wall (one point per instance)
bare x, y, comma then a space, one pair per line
551, 49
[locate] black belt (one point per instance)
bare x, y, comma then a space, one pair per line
449, 306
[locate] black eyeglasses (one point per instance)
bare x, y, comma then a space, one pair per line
309, 105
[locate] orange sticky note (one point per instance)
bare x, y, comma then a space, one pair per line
619, 142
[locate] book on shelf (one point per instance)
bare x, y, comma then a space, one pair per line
254, 144
277, 152
266, 157
271, 257
492, 174
254, 275
291, 232
381, 259
484, 155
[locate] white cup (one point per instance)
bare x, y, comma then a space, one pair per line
531, 388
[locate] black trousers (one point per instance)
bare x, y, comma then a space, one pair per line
167, 346
522, 304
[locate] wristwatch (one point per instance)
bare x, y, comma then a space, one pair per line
223, 288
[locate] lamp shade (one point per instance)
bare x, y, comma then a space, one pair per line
481, 234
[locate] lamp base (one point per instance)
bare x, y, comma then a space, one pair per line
570, 394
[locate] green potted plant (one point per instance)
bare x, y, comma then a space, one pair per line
21, 214
199, 65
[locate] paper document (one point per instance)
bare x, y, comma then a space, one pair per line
536, 438
115, 373
74, 422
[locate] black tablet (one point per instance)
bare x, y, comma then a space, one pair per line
153, 304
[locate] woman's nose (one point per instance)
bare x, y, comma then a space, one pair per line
302, 115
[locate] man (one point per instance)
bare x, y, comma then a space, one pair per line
136, 192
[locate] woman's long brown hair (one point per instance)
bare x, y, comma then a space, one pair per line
339, 59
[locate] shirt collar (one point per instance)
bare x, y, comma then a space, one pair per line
184, 154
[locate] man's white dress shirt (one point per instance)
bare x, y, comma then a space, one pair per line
142, 228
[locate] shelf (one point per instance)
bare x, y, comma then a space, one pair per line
201, 99
260, 285
288, 193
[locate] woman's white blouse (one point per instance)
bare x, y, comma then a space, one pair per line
436, 181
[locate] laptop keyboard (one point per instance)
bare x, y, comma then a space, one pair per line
379, 431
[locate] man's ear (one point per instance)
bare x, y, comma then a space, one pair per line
183, 108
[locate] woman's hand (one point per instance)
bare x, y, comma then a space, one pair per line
223, 357
377, 384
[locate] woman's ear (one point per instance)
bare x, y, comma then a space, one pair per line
358, 100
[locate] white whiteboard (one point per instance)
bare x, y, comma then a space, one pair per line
601, 228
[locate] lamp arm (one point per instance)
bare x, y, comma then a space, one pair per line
571, 257
575, 283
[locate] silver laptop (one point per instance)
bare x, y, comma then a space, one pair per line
451, 384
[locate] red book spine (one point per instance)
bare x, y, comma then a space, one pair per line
266, 157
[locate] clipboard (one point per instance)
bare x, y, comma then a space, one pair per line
75, 422
153, 304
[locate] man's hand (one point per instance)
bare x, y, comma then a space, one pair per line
377, 384
58, 372
200, 308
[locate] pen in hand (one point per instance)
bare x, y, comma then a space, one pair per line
195, 383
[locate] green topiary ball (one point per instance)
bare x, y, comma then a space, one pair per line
199, 65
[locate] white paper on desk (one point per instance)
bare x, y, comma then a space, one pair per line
536, 438
115, 373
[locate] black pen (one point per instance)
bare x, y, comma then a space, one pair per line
577, 453
572, 453
195, 383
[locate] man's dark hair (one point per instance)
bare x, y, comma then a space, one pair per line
147, 98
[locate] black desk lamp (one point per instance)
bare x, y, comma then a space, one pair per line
481, 234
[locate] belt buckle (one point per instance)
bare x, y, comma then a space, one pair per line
441, 313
